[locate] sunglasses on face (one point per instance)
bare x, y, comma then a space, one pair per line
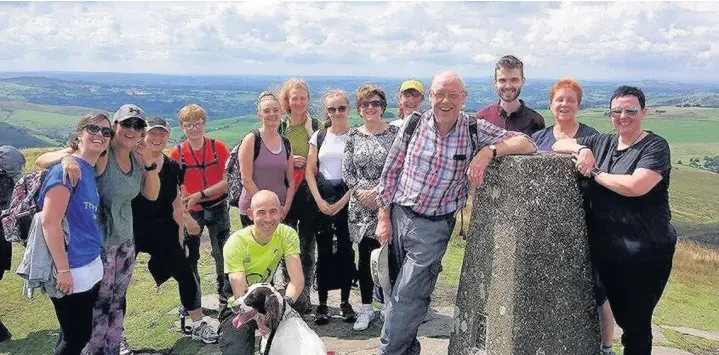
94, 129
631, 111
134, 123
340, 109
373, 103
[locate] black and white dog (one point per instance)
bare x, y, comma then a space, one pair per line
284, 331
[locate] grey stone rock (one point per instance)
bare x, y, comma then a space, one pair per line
526, 282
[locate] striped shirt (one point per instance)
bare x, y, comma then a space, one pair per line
430, 174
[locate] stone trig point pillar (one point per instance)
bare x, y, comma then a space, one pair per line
526, 282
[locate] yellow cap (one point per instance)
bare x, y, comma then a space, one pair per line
412, 84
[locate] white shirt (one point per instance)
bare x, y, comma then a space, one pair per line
330, 154
85, 277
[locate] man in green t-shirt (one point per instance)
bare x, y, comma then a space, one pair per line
252, 255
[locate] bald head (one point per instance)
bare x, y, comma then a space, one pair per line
264, 198
447, 76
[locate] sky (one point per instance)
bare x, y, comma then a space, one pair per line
588, 41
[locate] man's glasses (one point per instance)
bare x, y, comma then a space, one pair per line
195, 125
452, 95
340, 109
95, 129
137, 124
373, 103
631, 111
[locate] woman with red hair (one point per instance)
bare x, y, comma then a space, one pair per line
565, 98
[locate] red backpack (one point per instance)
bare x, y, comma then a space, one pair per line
16, 219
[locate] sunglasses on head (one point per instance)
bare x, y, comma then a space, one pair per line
337, 109
95, 129
134, 123
630, 110
373, 103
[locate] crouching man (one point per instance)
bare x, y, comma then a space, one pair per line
252, 255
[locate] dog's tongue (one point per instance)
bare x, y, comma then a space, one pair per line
243, 318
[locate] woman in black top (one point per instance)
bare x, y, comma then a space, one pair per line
629, 222
159, 230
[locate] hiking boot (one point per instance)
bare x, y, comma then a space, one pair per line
125, 348
4, 333
364, 319
205, 334
348, 314
322, 315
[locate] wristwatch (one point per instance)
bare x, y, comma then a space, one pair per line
152, 167
203, 194
594, 172
493, 148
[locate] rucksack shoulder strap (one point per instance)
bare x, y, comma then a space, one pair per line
258, 143
288, 146
213, 144
315, 124
414, 119
321, 134
179, 152
473, 133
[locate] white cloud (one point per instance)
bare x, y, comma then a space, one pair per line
622, 40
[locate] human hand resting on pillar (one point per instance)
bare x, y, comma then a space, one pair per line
477, 166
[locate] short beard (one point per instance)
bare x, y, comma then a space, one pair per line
516, 96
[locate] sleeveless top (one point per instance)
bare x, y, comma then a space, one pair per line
269, 172
117, 189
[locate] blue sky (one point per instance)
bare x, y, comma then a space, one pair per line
589, 41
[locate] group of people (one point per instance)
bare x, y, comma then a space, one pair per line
319, 186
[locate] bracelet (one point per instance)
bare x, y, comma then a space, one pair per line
202, 194
594, 172
580, 149
63, 271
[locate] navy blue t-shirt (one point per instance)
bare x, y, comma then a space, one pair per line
625, 228
545, 137
85, 240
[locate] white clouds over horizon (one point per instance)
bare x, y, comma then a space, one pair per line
622, 40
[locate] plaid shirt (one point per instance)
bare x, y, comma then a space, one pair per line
430, 174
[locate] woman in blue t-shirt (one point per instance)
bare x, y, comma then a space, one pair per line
565, 99
77, 258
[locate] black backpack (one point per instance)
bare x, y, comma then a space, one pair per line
234, 179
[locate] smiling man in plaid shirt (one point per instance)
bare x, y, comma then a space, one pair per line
424, 182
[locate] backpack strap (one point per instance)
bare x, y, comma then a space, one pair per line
258, 143
214, 149
288, 146
473, 133
182, 156
283, 126
315, 125
411, 127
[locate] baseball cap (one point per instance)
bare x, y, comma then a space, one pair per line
12, 161
129, 111
158, 122
379, 267
412, 84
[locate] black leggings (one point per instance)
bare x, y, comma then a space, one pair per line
634, 289
365, 273
74, 313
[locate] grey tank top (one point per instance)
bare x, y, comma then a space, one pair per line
117, 189
268, 172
